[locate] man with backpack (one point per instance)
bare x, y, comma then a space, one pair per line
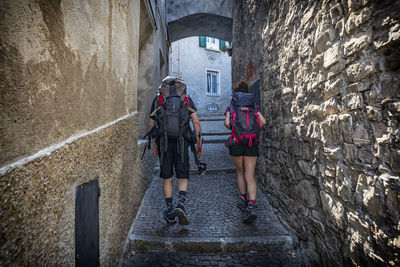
171, 112
243, 117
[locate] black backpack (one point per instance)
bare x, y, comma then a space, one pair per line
244, 119
173, 106
172, 112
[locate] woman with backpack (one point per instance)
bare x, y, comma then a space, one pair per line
243, 117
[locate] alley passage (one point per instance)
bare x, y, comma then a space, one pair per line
216, 235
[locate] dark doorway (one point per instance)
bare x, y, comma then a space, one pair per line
87, 224
255, 89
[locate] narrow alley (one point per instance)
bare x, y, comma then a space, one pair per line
216, 235
77, 80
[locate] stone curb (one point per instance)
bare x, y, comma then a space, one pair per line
210, 244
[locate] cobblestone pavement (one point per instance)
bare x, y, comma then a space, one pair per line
251, 258
216, 235
215, 156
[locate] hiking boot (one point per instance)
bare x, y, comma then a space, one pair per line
181, 214
249, 215
242, 205
169, 216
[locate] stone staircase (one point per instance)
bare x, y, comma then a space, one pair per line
216, 154
216, 235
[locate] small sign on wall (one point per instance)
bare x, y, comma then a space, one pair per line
213, 108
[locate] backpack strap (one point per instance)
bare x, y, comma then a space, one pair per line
160, 99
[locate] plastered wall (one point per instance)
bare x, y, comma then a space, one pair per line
68, 77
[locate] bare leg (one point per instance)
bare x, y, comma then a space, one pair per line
240, 174
250, 167
167, 185
183, 184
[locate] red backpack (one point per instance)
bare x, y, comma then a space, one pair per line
244, 119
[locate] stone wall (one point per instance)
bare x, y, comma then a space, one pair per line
68, 74
330, 157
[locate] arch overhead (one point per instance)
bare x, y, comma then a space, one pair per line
203, 17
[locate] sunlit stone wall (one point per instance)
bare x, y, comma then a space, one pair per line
330, 161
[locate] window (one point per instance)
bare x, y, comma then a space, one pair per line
212, 43
212, 83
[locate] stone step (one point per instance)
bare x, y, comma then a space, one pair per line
220, 117
215, 221
214, 140
211, 244
214, 171
216, 133
178, 258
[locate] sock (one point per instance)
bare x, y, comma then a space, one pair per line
252, 202
244, 197
182, 197
168, 201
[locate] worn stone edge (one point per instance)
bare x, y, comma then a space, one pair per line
211, 244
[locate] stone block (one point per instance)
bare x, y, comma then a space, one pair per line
343, 182
393, 59
307, 168
393, 202
389, 86
336, 13
394, 109
307, 16
334, 87
292, 146
313, 131
331, 106
367, 194
352, 101
289, 130
395, 160
331, 56
324, 39
307, 193
380, 130
317, 62
330, 130
307, 151
357, 44
360, 225
373, 113
327, 183
339, 27
333, 153
358, 87
361, 136
346, 127
333, 209
330, 173
389, 39
335, 70
365, 155
349, 152
360, 70
356, 4
356, 19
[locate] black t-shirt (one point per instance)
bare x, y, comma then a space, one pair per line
191, 105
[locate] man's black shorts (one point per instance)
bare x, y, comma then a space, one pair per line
238, 150
172, 160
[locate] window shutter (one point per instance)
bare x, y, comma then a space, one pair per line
221, 44
202, 41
